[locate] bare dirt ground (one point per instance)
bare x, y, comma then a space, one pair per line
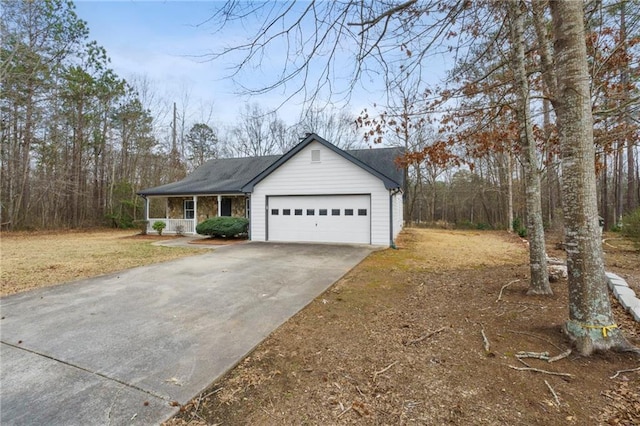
37, 259
399, 340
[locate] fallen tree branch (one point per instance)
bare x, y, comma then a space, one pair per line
522, 362
624, 371
485, 341
377, 373
537, 355
537, 370
560, 356
426, 336
555, 395
503, 287
345, 410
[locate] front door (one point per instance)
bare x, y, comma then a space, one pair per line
225, 209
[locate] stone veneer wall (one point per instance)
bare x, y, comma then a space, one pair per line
207, 207
239, 206
175, 207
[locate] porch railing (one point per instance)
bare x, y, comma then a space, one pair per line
174, 226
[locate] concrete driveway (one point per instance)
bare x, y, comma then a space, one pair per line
120, 349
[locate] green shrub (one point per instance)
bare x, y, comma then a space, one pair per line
631, 226
223, 226
465, 224
519, 228
483, 226
159, 226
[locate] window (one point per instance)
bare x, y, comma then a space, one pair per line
286, 212
189, 209
298, 212
362, 212
322, 212
315, 155
335, 212
348, 212
274, 212
311, 212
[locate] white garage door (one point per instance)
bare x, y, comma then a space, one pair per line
320, 218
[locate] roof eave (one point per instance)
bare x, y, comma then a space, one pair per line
388, 183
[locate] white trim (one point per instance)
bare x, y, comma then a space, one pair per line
195, 211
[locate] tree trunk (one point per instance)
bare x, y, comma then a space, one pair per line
539, 283
591, 325
630, 203
509, 192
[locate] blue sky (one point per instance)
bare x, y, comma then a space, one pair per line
158, 40
161, 40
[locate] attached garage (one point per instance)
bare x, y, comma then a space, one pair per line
319, 218
319, 193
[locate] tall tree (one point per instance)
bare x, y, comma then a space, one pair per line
591, 324
201, 144
539, 283
37, 36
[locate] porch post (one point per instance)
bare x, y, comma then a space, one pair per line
195, 212
219, 204
146, 214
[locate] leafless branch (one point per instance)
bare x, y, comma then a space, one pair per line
503, 287
555, 395
537, 370
426, 336
387, 14
560, 356
629, 370
377, 373
537, 355
485, 341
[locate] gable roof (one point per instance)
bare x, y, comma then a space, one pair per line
239, 175
378, 162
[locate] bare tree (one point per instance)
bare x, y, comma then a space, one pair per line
253, 134
335, 125
539, 283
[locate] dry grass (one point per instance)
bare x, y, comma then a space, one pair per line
32, 260
438, 250
364, 352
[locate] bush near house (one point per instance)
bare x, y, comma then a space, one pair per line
159, 226
223, 226
631, 226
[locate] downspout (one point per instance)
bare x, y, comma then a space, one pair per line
247, 213
146, 212
392, 192
392, 244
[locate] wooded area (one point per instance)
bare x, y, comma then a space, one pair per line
78, 140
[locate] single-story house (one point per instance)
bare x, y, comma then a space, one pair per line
316, 192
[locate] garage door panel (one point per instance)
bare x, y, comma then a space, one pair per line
320, 218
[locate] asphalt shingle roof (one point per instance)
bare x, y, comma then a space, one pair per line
229, 175
218, 176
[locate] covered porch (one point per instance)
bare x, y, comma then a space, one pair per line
183, 213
